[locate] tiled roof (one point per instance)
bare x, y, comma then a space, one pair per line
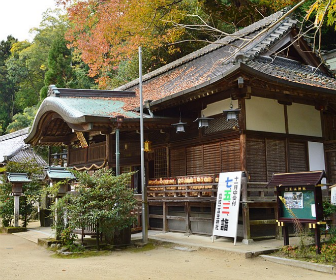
27, 154
293, 71
245, 46
13, 148
229, 42
12, 142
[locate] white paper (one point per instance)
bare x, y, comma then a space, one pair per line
313, 210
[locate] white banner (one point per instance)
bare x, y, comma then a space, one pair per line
227, 205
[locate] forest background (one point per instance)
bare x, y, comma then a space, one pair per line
92, 44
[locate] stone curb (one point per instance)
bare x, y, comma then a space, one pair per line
306, 265
10, 230
247, 254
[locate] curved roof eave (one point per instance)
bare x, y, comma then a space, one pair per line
59, 106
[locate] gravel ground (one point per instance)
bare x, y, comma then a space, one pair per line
22, 259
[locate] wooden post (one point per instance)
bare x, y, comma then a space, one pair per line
165, 213
285, 234
109, 150
16, 210
278, 233
242, 138
245, 212
318, 239
188, 229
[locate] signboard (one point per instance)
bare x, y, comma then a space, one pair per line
227, 205
333, 195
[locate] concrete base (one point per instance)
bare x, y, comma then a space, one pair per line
247, 241
306, 265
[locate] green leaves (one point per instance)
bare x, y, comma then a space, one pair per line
101, 199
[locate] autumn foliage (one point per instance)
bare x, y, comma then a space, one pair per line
107, 32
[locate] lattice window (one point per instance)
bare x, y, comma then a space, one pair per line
298, 156
230, 155
160, 163
178, 162
276, 157
256, 159
219, 124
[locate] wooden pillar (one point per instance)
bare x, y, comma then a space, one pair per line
109, 150
187, 208
49, 156
285, 234
68, 155
16, 210
164, 214
242, 138
278, 233
245, 212
318, 239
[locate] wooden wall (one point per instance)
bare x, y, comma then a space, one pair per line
267, 155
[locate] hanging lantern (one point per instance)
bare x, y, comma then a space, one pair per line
179, 126
231, 114
203, 121
148, 146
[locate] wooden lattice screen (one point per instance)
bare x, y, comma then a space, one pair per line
211, 158
266, 156
298, 156
256, 159
276, 157
330, 149
178, 162
160, 163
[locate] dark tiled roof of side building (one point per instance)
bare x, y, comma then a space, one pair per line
13, 148
28, 154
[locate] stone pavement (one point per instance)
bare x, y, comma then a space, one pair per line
34, 232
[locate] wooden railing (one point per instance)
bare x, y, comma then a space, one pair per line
183, 187
94, 153
187, 190
259, 192
254, 191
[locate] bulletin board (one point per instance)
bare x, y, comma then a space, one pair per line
303, 203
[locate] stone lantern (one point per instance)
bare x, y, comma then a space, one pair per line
17, 180
57, 174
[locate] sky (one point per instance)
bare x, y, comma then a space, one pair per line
17, 17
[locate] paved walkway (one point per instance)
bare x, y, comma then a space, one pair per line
34, 232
